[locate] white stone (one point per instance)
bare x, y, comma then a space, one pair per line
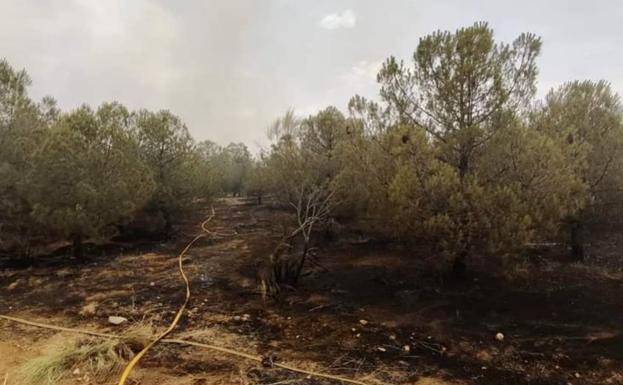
116, 320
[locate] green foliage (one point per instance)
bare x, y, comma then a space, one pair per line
286, 126
82, 174
461, 88
169, 152
211, 168
23, 125
88, 175
456, 154
288, 171
464, 90
585, 119
321, 136
236, 163
304, 158
448, 158
257, 182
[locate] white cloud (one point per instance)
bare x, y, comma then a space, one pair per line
344, 19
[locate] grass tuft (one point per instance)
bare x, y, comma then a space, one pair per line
95, 357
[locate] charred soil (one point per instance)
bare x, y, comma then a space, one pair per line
368, 311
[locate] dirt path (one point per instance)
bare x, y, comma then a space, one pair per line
558, 329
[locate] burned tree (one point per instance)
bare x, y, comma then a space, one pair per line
285, 265
293, 172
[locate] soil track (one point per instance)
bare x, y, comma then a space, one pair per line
562, 323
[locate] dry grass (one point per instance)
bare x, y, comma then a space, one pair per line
222, 337
99, 297
96, 358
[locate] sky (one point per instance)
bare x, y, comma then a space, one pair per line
228, 68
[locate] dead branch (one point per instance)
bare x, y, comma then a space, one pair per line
312, 205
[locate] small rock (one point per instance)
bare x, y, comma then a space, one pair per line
577, 375
499, 337
406, 348
116, 320
381, 349
237, 318
363, 322
353, 330
152, 284
76, 372
358, 335
14, 285
392, 337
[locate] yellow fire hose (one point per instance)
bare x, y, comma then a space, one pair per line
161, 338
128, 369
188, 343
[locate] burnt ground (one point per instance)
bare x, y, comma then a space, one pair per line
351, 315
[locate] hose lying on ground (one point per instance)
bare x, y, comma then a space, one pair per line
161, 338
188, 343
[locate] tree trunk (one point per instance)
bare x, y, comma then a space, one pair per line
299, 268
168, 224
77, 247
463, 164
458, 266
577, 240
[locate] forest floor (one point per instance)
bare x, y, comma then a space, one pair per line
562, 323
